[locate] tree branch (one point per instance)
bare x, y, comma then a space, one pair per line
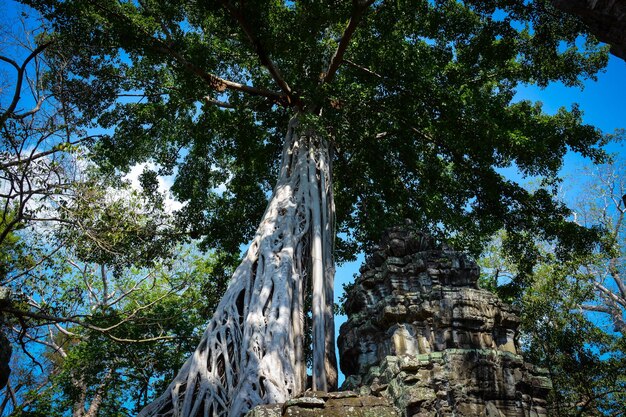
219, 103
362, 68
359, 7
20, 79
596, 308
40, 155
105, 332
610, 294
31, 111
260, 51
217, 83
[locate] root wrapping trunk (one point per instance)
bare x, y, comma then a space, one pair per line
252, 351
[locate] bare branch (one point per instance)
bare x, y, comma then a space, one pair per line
35, 156
610, 294
20, 79
596, 308
217, 83
31, 111
105, 331
10, 61
362, 68
218, 103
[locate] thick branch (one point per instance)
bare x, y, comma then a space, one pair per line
97, 399
610, 294
357, 12
362, 68
260, 51
55, 319
20, 79
43, 154
218, 103
596, 308
31, 111
217, 83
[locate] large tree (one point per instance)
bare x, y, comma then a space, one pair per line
393, 109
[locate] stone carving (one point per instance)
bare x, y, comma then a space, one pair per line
334, 404
605, 18
422, 333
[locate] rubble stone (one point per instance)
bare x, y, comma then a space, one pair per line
340, 404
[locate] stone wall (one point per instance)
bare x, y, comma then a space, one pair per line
334, 404
605, 18
421, 333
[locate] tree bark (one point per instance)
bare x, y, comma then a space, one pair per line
253, 349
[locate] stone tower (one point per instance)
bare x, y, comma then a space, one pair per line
421, 333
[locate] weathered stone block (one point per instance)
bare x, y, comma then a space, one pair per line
334, 404
270, 410
429, 339
306, 402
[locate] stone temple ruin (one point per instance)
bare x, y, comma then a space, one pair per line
421, 333
423, 340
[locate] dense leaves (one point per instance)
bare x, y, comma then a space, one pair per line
420, 111
416, 97
573, 313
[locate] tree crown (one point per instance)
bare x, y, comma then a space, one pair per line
416, 97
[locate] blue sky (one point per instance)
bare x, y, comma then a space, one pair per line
603, 101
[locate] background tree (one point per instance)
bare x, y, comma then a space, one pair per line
409, 102
91, 269
124, 349
607, 183
573, 312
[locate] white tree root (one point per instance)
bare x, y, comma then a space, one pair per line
253, 349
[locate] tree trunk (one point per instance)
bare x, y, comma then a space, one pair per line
253, 349
96, 401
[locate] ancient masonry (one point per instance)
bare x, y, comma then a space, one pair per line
421, 336
421, 333
334, 404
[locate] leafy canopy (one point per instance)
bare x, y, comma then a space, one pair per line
415, 96
574, 313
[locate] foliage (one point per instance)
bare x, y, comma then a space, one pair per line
573, 312
417, 102
123, 334
416, 98
84, 361
587, 361
96, 272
